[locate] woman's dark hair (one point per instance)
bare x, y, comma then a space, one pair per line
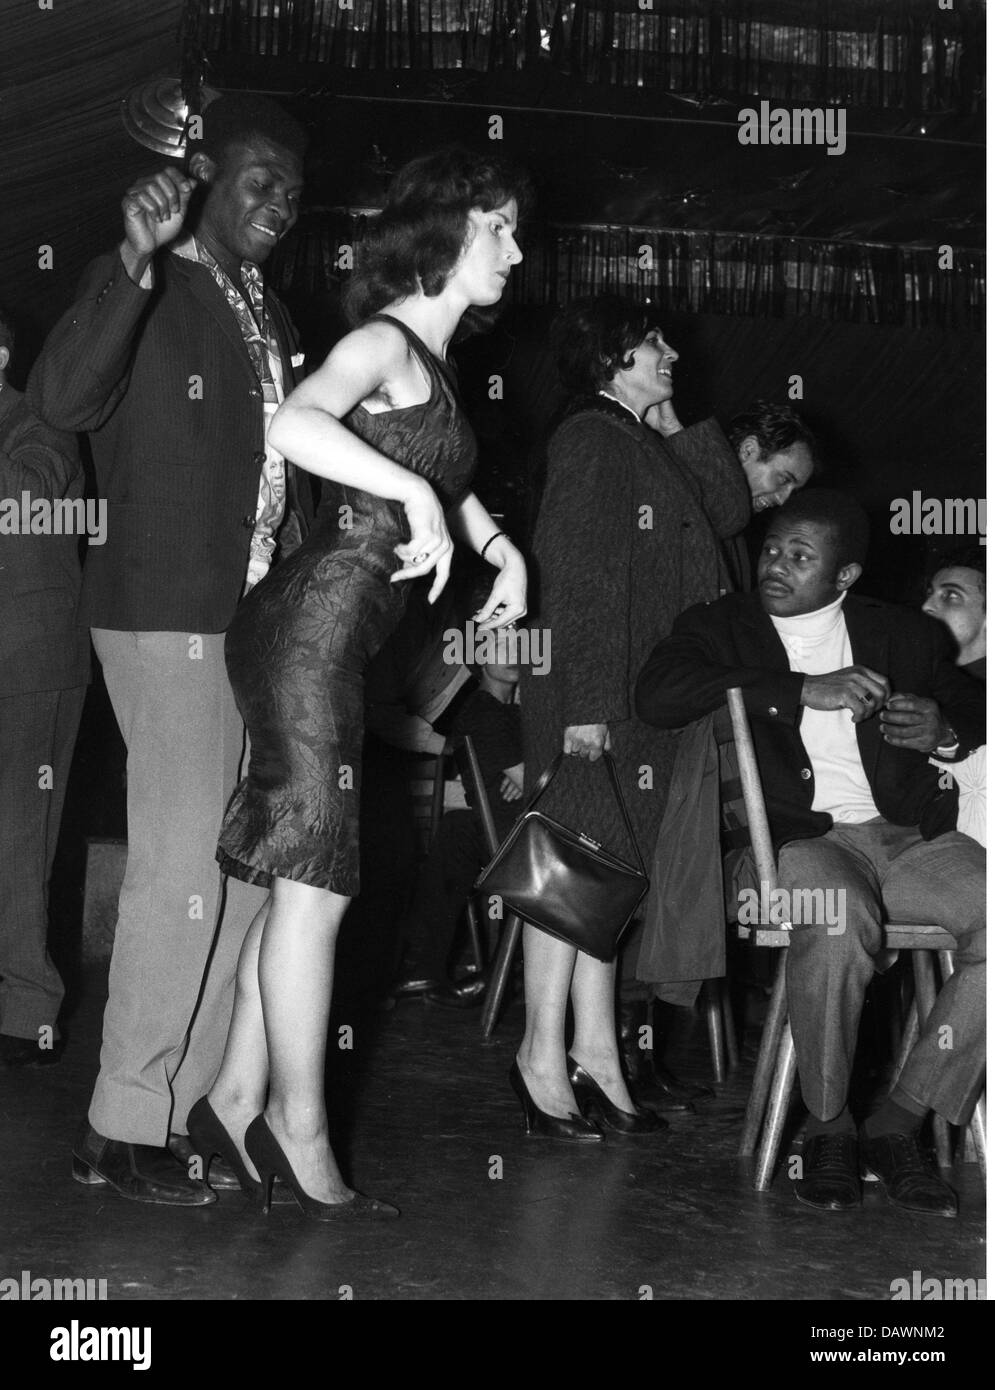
417, 239
593, 337
839, 512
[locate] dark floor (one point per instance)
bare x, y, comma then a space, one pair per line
428, 1121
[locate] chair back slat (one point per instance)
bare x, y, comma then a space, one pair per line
753, 796
476, 792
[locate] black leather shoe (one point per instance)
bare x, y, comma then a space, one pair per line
595, 1106
643, 1078
830, 1177
468, 994
574, 1129
908, 1173
139, 1172
219, 1175
26, 1052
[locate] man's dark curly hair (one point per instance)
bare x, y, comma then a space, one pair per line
417, 239
775, 428
839, 512
966, 557
593, 337
236, 117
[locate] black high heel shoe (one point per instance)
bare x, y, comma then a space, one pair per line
594, 1102
210, 1139
264, 1150
575, 1129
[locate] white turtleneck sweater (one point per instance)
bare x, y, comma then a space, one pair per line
816, 644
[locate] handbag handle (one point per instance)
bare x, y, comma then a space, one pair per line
547, 775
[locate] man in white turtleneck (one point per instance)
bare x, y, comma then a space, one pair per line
848, 697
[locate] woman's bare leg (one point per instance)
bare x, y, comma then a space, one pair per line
542, 1057
595, 1042
239, 1093
296, 973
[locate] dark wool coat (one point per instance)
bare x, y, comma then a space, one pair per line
627, 537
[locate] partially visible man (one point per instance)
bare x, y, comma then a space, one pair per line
174, 358
44, 672
955, 594
778, 453
848, 697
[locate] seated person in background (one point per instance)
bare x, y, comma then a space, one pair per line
491, 718
955, 593
848, 697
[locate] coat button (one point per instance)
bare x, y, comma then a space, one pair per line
259, 458
255, 393
772, 710
806, 774
249, 521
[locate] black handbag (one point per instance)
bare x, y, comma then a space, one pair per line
564, 882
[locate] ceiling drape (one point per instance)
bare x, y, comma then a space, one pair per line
65, 156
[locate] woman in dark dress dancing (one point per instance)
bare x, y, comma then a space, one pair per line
381, 424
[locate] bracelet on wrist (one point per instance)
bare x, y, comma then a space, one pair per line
483, 549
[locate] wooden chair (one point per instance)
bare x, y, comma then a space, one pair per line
511, 931
776, 1066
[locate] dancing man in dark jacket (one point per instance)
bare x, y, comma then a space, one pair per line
172, 359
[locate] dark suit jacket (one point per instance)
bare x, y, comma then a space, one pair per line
733, 642
43, 645
162, 381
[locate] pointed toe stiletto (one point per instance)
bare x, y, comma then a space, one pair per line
211, 1140
264, 1149
575, 1129
596, 1105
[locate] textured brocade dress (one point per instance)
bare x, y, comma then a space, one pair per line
298, 649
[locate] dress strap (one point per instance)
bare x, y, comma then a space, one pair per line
436, 364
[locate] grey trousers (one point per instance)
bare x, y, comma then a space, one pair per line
37, 737
890, 870
167, 1017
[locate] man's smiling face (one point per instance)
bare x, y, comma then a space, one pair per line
253, 198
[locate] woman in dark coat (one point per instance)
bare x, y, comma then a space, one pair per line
627, 537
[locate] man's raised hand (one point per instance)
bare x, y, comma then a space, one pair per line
856, 688
154, 208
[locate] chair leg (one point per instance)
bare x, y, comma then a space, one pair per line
908, 1041
476, 938
713, 1014
922, 965
777, 1012
500, 974
777, 1110
729, 1025
978, 1135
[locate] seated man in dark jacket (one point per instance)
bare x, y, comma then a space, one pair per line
848, 698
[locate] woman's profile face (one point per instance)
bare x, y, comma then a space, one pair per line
649, 379
491, 251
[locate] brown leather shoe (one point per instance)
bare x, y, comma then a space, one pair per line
140, 1172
